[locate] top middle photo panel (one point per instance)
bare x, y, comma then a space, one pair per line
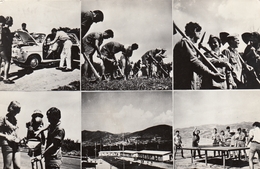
126, 45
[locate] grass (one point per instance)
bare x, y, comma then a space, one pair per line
70, 87
131, 84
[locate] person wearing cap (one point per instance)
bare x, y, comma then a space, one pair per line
234, 59
63, 37
149, 57
187, 65
108, 57
254, 140
35, 125
91, 43
222, 64
55, 136
8, 136
7, 39
88, 18
251, 53
125, 59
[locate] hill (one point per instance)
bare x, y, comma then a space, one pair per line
162, 132
206, 130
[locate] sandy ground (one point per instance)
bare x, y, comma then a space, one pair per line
68, 163
46, 77
213, 163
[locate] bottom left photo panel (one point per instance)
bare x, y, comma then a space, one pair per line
40, 130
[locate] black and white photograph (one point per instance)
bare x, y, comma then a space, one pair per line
127, 130
216, 44
40, 130
216, 129
40, 48
126, 45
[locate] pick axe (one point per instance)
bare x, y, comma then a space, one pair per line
91, 66
160, 66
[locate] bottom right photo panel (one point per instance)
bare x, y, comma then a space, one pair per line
216, 129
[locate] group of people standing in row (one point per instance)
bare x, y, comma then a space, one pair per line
216, 69
10, 141
228, 138
106, 59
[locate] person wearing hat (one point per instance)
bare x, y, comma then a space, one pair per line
9, 137
234, 59
222, 64
7, 39
148, 59
55, 136
33, 126
63, 37
88, 18
187, 65
125, 59
91, 43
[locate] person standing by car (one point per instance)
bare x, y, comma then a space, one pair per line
7, 39
63, 37
56, 134
8, 136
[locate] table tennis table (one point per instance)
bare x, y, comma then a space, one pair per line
222, 149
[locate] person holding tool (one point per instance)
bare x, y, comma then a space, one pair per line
91, 44
220, 61
186, 61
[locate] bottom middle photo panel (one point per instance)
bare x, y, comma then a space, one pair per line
127, 130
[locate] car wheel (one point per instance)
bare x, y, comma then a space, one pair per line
34, 62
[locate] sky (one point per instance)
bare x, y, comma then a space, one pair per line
42, 15
119, 112
68, 102
145, 22
194, 108
215, 16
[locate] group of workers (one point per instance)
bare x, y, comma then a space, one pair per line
106, 59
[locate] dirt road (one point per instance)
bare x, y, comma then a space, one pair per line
46, 77
68, 163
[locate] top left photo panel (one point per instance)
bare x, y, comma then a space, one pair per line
39, 45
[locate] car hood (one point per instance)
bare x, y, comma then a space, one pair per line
26, 38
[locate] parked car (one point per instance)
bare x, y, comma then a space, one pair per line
29, 50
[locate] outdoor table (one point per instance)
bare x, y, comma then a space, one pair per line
215, 148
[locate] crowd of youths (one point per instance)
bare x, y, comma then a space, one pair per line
227, 138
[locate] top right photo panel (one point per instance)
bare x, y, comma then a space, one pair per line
126, 45
216, 44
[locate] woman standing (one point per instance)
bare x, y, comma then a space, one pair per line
8, 137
